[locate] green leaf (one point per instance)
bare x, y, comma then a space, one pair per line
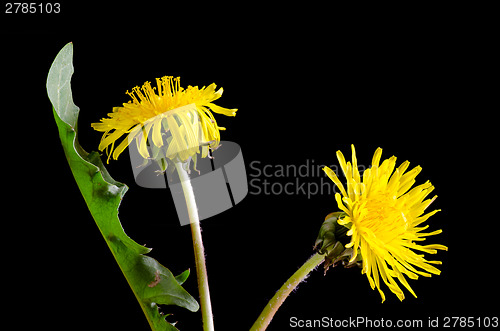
182, 277
151, 282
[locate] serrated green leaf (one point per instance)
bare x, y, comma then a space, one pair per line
151, 282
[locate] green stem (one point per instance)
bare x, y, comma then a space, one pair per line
277, 300
199, 251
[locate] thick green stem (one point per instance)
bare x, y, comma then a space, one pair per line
277, 300
199, 251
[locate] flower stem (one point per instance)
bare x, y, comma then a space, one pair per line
199, 251
277, 300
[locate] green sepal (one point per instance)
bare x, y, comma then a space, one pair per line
331, 239
329, 233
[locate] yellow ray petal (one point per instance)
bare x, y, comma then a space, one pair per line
222, 110
331, 174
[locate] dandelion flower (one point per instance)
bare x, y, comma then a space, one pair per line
179, 120
385, 216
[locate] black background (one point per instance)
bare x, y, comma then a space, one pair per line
307, 81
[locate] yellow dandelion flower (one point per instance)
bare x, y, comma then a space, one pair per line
178, 120
384, 218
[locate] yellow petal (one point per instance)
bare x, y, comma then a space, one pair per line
342, 162
109, 139
124, 144
142, 139
222, 110
176, 135
341, 205
408, 179
157, 138
376, 157
331, 174
355, 171
422, 219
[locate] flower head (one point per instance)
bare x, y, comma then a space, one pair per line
178, 120
385, 218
